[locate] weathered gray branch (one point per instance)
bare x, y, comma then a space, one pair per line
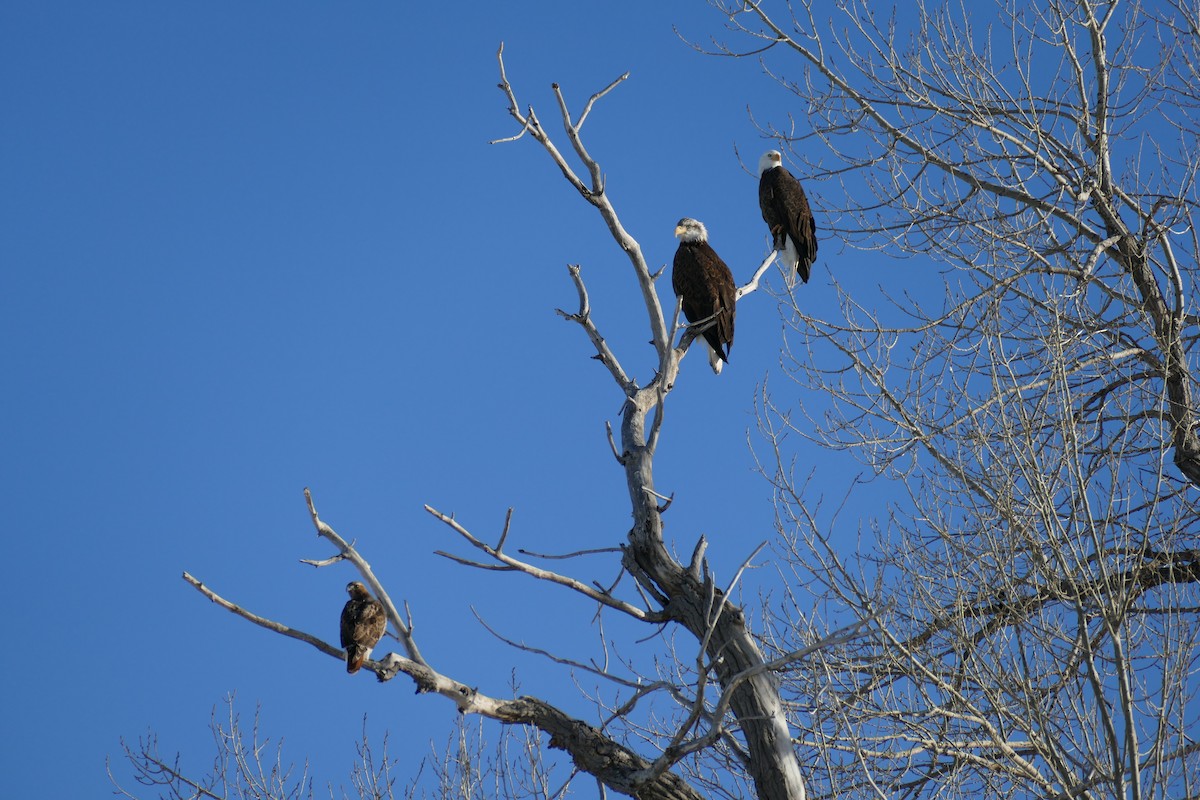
507, 562
584, 317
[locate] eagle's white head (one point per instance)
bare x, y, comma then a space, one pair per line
691, 230
769, 160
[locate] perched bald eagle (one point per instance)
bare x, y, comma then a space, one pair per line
785, 210
706, 285
363, 624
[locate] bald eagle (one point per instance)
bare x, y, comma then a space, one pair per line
787, 214
706, 285
363, 624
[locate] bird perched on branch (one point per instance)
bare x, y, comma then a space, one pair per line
363, 624
706, 285
786, 211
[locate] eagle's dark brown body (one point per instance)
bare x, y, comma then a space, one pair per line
786, 211
363, 624
702, 279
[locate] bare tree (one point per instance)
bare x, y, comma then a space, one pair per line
1035, 588
246, 765
243, 765
721, 698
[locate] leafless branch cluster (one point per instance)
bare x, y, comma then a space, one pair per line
1036, 584
246, 765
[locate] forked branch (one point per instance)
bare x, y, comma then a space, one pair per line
509, 563
584, 318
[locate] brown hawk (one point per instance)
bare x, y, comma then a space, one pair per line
363, 624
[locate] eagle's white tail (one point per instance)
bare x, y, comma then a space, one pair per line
789, 262
714, 360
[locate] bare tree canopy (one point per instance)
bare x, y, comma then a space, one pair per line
1037, 591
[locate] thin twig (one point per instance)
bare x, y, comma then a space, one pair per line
551, 557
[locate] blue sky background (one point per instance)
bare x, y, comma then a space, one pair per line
250, 248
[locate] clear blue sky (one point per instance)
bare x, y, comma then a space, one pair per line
253, 247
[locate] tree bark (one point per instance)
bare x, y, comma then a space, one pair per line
615, 765
689, 598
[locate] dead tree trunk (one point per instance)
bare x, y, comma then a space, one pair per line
689, 597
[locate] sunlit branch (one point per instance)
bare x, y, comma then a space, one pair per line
507, 562
584, 317
752, 284
596, 195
